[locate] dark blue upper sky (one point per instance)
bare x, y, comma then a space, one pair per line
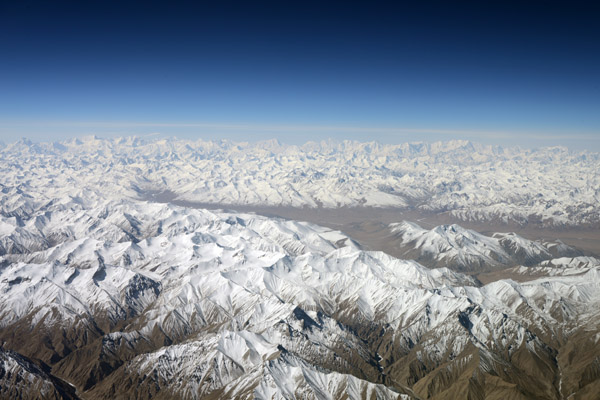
497, 72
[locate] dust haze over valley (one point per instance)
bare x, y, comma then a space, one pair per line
369, 225
367, 221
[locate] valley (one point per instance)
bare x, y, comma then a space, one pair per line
369, 226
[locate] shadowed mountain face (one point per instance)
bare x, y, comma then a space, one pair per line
145, 300
23, 378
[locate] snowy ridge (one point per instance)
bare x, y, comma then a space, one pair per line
460, 248
254, 363
148, 245
563, 266
471, 181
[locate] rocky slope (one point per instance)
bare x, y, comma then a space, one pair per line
22, 378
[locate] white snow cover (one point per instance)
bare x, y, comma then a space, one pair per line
100, 254
451, 242
252, 362
472, 181
457, 246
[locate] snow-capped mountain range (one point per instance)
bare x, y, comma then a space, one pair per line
106, 294
145, 300
466, 249
548, 186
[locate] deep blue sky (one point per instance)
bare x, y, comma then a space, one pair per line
496, 72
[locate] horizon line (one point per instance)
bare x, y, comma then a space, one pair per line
306, 128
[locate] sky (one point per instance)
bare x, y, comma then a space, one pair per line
525, 73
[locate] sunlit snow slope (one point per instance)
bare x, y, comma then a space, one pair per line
465, 249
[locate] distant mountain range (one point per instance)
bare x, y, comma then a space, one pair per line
472, 182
